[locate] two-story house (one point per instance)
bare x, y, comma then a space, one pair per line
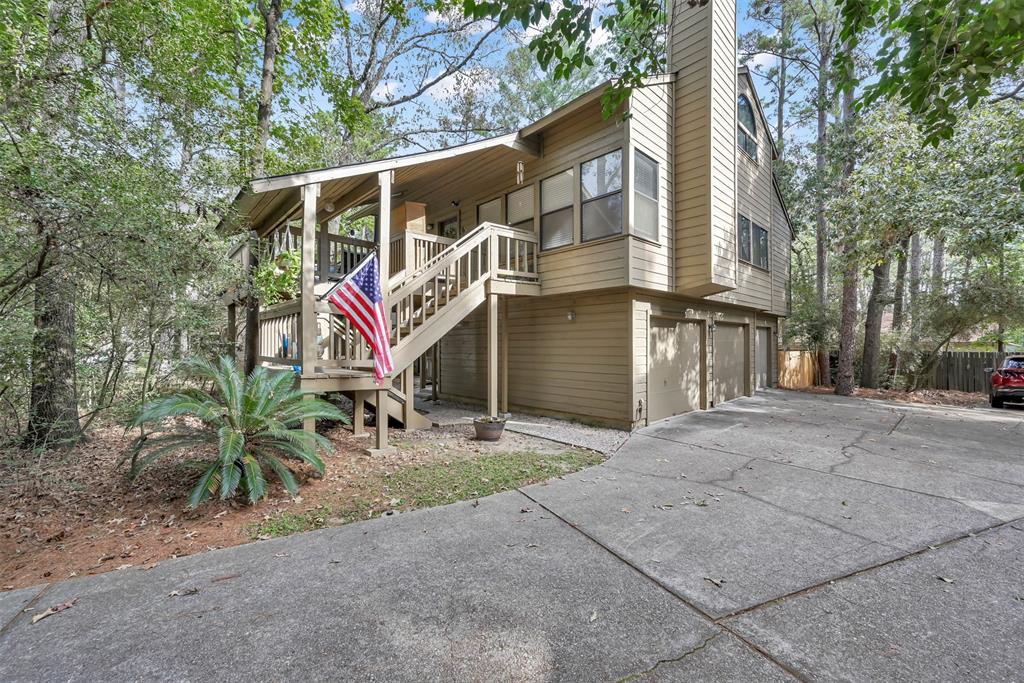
615, 270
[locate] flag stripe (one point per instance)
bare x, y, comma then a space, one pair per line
359, 299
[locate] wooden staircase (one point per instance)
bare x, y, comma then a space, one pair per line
426, 299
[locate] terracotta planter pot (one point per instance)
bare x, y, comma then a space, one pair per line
488, 430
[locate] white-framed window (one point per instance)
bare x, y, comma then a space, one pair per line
753, 243
489, 212
601, 196
645, 196
746, 127
556, 210
519, 208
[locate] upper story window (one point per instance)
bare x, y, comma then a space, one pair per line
556, 210
601, 196
753, 243
519, 208
645, 196
489, 212
746, 128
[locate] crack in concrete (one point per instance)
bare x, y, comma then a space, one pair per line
834, 474
646, 672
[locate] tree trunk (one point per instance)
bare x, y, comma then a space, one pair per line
915, 288
848, 321
271, 12
900, 286
252, 313
53, 411
869, 370
938, 264
786, 24
821, 231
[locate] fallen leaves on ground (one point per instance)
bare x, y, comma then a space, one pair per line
53, 610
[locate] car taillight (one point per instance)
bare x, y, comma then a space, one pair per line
997, 378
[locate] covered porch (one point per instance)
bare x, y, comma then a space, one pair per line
438, 270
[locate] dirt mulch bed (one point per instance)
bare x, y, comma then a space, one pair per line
934, 397
71, 513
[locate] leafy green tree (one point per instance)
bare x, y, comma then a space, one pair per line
939, 57
252, 421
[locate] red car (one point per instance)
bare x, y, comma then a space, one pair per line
1007, 382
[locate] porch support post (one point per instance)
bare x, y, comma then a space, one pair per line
504, 355
323, 256
309, 326
309, 423
382, 419
492, 354
250, 349
359, 413
384, 179
435, 370
409, 392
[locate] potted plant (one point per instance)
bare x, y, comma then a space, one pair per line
488, 428
276, 280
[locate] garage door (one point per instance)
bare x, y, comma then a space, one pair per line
763, 364
673, 368
730, 362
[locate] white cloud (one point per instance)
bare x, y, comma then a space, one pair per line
761, 61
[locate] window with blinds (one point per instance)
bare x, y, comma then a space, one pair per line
601, 193
489, 212
556, 210
645, 196
519, 208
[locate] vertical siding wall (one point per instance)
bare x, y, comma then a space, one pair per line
754, 195
651, 132
781, 248
577, 368
702, 53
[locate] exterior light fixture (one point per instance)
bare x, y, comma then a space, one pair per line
520, 172
570, 316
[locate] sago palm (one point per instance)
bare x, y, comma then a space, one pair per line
254, 422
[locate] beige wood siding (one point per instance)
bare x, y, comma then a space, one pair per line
651, 264
754, 200
781, 250
702, 53
578, 368
579, 137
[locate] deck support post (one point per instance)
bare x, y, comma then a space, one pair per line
382, 420
384, 179
435, 370
309, 423
309, 347
504, 355
492, 355
409, 392
359, 413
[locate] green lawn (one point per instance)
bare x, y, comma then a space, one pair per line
423, 486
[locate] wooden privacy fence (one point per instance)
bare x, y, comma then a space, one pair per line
797, 369
965, 370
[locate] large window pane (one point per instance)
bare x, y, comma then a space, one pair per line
744, 239
520, 206
556, 228
601, 175
602, 217
489, 212
556, 192
645, 196
760, 247
645, 216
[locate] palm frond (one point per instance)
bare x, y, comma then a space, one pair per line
297, 451
255, 484
282, 471
204, 488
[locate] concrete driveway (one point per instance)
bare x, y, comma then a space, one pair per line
780, 536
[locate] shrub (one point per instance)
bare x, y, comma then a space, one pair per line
254, 421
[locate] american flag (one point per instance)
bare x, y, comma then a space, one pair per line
359, 299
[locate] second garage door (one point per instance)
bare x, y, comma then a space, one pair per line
673, 369
730, 362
